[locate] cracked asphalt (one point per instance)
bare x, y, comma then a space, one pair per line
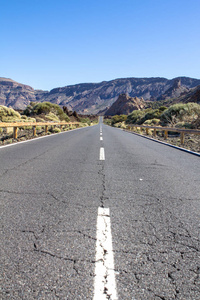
50, 191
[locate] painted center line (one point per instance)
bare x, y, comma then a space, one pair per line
101, 138
102, 154
100, 133
104, 284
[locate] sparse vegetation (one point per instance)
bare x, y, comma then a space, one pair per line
118, 118
38, 112
85, 120
186, 115
47, 111
9, 115
178, 115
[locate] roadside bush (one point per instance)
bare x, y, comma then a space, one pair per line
56, 130
52, 117
9, 114
188, 113
118, 118
135, 117
107, 121
85, 120
151, 114
50, 110
120, 125
152, 122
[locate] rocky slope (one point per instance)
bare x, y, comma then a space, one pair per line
125, 105
15, 94
193, 95
90, 98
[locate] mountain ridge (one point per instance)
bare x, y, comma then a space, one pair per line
92, 97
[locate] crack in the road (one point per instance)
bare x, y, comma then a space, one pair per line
101, 172
73, 260
165, 241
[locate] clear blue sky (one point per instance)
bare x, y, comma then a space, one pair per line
47, 44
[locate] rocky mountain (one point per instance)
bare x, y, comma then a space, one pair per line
192, 95
125, 105
15, 94
90, 98
174, 91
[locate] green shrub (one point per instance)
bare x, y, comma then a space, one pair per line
120, 125
188, 112
151, 114
152, 122
48, 109
118, 118
135, 117
9, 114
56, 130
85, 120
52, 117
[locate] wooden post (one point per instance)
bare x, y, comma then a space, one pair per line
166, 134
46, 129
34, 130
182, 138
141, 129
15, 132
154, 132
147, 131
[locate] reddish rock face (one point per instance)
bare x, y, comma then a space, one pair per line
15, 94
125, 105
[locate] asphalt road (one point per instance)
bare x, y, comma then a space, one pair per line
50, 193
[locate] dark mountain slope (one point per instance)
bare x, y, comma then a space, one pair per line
90, 97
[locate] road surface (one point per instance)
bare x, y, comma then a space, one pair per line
99, 213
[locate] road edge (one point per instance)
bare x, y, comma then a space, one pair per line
160, 142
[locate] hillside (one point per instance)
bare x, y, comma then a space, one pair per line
90, 98
192, 95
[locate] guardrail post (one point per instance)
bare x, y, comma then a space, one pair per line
141, 129
15, 132
182, 138
34, 130
154, 132
147, 131
165, 134
46, 129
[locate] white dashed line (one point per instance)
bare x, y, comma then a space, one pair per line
100, 133
101, 138
102, 154
104, 284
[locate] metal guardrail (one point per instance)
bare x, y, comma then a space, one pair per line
166, 130
34, 125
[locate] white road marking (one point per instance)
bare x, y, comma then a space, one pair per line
102, 154
104, 284
100, 133
101, 138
